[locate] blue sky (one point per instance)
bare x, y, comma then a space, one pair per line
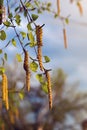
74, 59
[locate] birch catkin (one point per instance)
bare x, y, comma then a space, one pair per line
3, 87
80, 8
39, 57
7, 104
39, 33
5, 90
27, 81
39, 45
26, 68
58, 7
65, 38
49, 89
26, 61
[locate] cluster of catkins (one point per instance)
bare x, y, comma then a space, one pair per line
39, 32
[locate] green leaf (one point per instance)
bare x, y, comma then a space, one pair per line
5, 56
7, 23
17, 19
23, 34
21, 95
34, 66
44, 87
19, 58
10, 16
31, 37
2, 35
2, 70
47, 59
28, 4
39, 77
29, 27
14, 42
49, 4
67, 21
16, 9
32, 44
3, 61
1, 51
34, 17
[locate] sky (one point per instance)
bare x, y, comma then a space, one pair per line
72, 60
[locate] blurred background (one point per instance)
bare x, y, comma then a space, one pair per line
30, 111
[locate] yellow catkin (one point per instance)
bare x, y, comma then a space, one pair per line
5, 90
80, 8
27, 81
6, 100
26, 68
3, 86
39, 33
39, 57
58, 7
65, 38
26, 61
49, 89
2, 14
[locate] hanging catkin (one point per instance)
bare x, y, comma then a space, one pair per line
39, 33
26, 68
58, 7
49, 88
3, 87
39, 45
80, 8
2, 12
65, 38
39, 57
27, 81
5, 90
7, 104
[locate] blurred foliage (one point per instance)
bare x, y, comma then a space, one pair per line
30, 110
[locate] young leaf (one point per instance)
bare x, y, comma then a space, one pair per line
14, 42
21, 95
2, 35
34, 17
44, 87
10, 16
47, 59
39, 77
28, 5
29, 27
2, 70
67, 21
5, 56
0, 51
17, 19
34, 66
19, 58
31, 37
23, 34
33, 44
7, 23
